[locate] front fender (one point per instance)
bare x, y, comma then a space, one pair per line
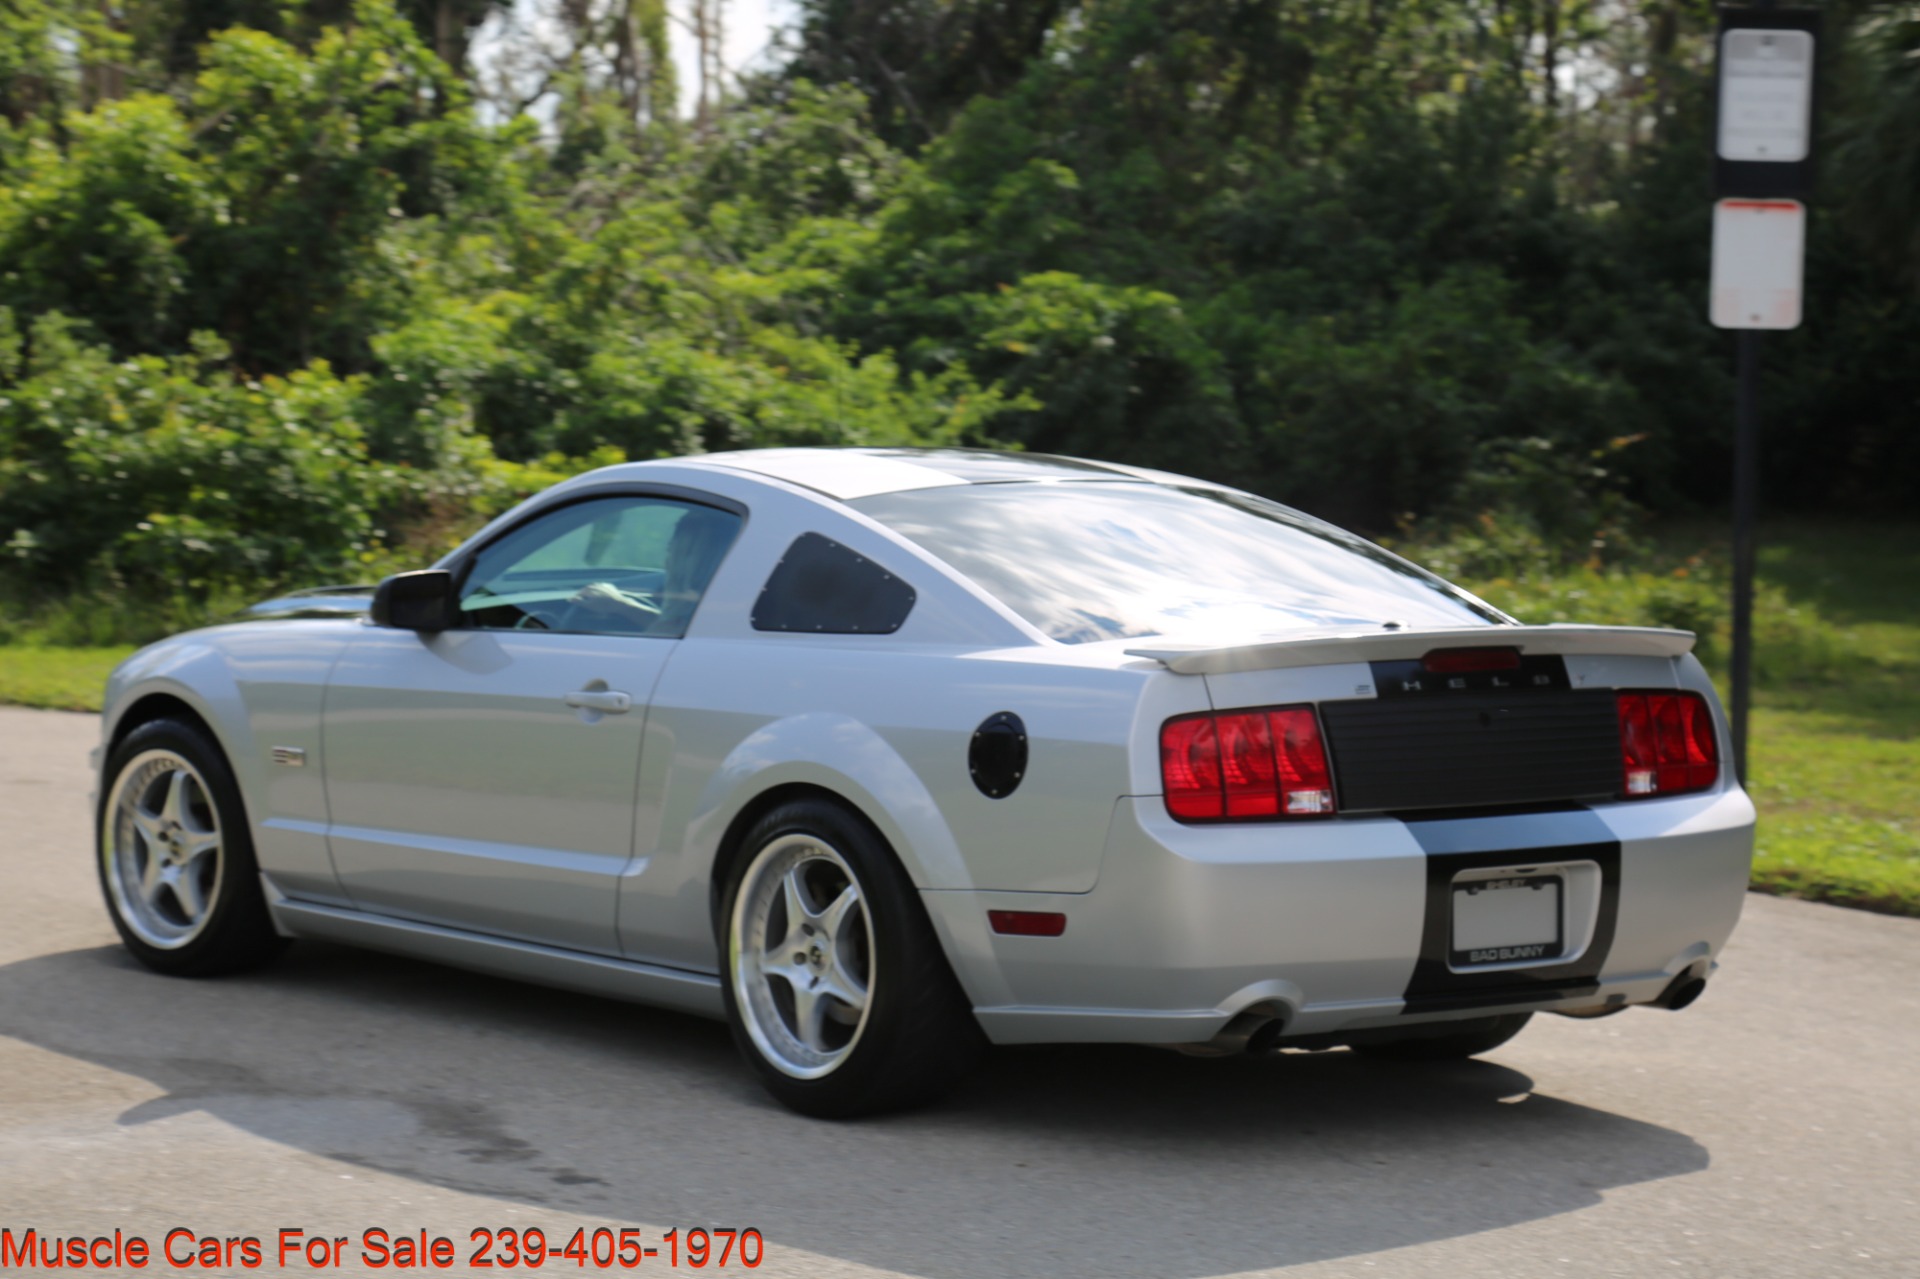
195, 673
257, 687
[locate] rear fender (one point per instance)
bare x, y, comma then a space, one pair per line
839, 754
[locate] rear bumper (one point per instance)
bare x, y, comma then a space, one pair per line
1341, 925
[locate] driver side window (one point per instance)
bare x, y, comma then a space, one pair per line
605, 566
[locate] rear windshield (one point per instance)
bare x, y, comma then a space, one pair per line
1098, 561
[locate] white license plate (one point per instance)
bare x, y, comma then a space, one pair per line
1507, 921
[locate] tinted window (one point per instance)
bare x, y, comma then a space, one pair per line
826, 588
1108, 561
609, 566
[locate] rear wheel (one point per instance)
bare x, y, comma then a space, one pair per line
836, 989
1465, 1039
175, 857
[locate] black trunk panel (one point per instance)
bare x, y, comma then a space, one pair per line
1473, 750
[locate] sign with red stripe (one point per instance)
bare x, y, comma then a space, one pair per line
1758, 247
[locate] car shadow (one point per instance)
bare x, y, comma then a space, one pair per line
1063, 1160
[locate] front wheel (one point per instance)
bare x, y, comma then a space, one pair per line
175, 859
837, 991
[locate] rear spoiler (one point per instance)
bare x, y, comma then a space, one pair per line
1322, 648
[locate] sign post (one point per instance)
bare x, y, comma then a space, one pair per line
1763, 169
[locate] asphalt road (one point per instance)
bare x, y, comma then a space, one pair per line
1771, 1130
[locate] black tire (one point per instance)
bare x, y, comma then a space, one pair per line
1464, 1039
917, 1037
234, 931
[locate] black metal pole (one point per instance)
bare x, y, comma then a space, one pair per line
1746, 497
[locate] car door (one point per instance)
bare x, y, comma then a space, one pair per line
483, 777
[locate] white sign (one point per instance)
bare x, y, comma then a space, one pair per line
1766, 94
1758, 246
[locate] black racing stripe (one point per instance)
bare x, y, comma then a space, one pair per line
1435, 987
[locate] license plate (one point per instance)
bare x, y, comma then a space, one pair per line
1507, 921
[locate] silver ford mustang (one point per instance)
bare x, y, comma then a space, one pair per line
884, 755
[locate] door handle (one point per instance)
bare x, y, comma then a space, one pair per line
606, 701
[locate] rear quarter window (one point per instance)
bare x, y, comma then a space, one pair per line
822, 587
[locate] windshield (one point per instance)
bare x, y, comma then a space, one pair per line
1098, 561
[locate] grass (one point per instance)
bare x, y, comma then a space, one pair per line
1836, 813
1836, 761
1835, 751
62, 679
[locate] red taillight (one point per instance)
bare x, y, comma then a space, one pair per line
1667, 744
1306, 786
1248, 775
1190, 768
1245, 765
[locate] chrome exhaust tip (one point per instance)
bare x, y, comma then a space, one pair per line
1254, 1031
1265, 1040
1682, 991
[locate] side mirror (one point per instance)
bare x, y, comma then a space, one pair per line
420, 601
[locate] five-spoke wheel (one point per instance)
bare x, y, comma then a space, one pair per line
162, 848
176, 861
803, 956
836, 989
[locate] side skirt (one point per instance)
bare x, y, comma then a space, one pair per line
697, 993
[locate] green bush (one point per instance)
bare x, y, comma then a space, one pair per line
1793, 642
1347, 256
165, 477
1094, 365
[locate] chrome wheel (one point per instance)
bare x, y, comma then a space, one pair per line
161, 850
800, 954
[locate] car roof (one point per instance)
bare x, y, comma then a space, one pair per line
846, 474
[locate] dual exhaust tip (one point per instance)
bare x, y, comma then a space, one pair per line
1256, 1032
1682, 990
1265, 1039
1688, 986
